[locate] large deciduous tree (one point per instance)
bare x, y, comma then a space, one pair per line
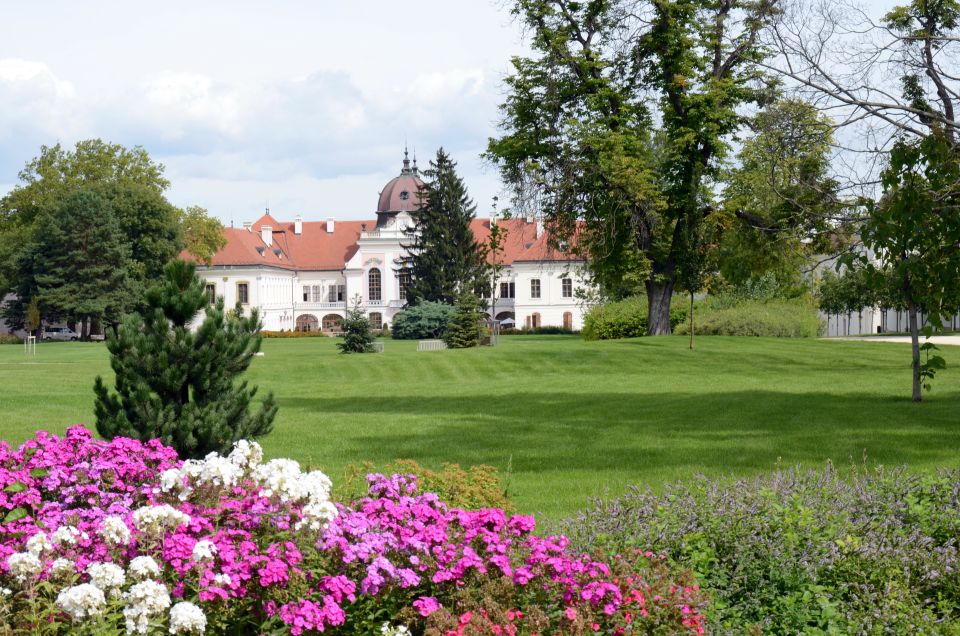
202, 234
445, 258
622, 120
180, 384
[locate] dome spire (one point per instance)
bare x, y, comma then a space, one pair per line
415, 170
406, 160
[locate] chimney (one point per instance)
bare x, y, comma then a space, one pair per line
248, 226
266, 233
529, 219
330, 225
298, 225
539, 228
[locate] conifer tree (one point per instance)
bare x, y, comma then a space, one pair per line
463, 329
178, 384
445, 256
357, 337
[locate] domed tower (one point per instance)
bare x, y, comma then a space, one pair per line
400, 193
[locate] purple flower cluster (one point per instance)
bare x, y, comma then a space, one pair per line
129, 540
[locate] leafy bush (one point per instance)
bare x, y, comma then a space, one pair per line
119, 537
425, 321
293, 334
803, 552
796, 318
476, 487
625, 318
548, 330
9, 338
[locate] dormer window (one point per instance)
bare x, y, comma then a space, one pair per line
404, 195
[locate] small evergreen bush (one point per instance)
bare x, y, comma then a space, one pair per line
625, 318
463, 327
357, 337
425, 321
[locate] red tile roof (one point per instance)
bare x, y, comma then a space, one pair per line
316, 249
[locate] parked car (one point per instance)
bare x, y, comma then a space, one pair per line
59, 333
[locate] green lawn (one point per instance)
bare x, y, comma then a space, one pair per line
569, 419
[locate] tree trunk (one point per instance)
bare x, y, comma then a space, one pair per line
915, 347
658, 307
83, 328
691, 321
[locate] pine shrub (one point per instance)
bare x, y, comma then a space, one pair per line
357, 337
180, 384
463, 328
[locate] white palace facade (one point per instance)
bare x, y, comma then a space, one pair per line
303, 275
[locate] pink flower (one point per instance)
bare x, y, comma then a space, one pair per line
426, 605
570, 613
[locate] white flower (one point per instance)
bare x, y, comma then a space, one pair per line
388, 630
171, 479
38, 544
318, 486
222, 580
246, 454
61, 567
280, 477
187, 618
145, 600
114, 530
203, 549
67, 535
5, 591
109, 577
219, 471
143, 567
156, 518
82, 601
24, 565
316, 516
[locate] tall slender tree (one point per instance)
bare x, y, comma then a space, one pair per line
180, 384
445, 258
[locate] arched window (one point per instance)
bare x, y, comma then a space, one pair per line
307, 322
374, 287
376, 320
332, 323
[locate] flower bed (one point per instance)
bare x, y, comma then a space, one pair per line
122, 537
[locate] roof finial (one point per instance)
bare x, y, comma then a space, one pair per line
406, 159
415, 170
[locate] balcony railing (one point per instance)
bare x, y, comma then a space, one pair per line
326, 304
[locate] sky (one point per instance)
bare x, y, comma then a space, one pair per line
302, 106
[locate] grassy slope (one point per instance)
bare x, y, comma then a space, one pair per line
571, 418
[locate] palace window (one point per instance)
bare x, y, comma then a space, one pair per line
403, 278
535, 288
508, 290
243, 293
336, 293
376, 320
374, 288
567, 287
212, 292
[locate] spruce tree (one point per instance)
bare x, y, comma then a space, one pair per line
357, 337
445, 258
463, 329
179, 384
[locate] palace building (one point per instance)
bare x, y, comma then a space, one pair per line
303, 275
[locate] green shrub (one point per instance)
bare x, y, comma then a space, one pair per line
463, 327
795, 318
625, 318
293, 334
425, 321
476, 487
9, 338
802, 552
